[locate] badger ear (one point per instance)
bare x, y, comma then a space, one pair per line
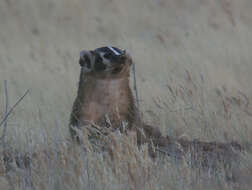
85, 59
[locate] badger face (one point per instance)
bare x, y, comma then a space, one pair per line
104, 60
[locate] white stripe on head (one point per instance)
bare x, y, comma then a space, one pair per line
115, 51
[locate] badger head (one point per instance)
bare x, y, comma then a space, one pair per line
104, 60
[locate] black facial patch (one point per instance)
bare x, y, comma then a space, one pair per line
108, 55
99, 65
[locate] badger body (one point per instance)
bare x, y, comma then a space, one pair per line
104, 96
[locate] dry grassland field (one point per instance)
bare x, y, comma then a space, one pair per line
194, 76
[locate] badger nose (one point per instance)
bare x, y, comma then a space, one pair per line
85, 59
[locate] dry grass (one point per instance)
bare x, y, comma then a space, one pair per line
193, 65
64, 165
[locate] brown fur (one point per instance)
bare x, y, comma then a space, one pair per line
101, 95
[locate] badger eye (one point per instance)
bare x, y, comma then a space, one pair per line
108, 55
